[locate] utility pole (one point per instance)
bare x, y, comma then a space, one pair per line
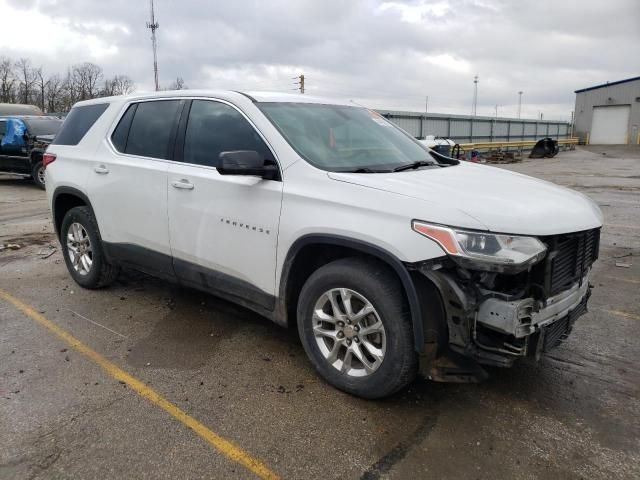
300, 82
572, 120
519, 103
153, 25
426, 105
475, 96
496, 111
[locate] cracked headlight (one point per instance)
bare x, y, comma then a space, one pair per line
484, 250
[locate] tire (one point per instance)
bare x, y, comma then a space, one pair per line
37, 174
359, 281
100, 273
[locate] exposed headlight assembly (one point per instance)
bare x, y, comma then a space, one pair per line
484, 250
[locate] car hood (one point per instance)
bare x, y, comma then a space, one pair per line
501, 200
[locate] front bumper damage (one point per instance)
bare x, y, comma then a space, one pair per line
491, 328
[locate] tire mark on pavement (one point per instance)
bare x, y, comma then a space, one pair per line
397, 453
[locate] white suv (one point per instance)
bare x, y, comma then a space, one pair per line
389, 257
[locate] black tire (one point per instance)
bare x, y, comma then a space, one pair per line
37, 175
101, 273
381, 287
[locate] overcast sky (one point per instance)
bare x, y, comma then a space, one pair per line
384, 54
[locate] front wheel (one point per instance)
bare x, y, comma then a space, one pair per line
37, 173
355, 326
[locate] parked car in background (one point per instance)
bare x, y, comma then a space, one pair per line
7, 109
23, 140
387, 256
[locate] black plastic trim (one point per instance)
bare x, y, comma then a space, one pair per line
367, 248
70, 191
191, 275
226, 285
140, 258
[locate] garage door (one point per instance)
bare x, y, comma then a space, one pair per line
609, 125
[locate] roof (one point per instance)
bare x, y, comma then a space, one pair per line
29, 117
295, 98
18, 109
608, 84
225, 94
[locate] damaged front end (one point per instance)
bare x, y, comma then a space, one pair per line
493, 314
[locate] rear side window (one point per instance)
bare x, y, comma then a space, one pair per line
151, 129
78, 123
215, 127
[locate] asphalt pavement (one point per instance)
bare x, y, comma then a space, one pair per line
68, 413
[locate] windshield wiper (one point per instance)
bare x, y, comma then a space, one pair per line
364, 170
414, 165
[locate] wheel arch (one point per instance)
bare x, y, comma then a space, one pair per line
314, 250
63, 200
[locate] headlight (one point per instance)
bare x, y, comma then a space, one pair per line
486, 251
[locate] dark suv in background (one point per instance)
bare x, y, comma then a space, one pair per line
23, 140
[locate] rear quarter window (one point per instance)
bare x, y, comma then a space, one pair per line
78, 123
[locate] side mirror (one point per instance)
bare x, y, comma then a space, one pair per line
246, 162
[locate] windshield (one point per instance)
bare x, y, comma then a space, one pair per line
43, 126
344, 138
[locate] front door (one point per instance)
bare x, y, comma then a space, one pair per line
223, 228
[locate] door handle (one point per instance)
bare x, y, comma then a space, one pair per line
101, 169
183, 184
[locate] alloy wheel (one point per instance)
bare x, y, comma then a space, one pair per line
349, 332
79, 248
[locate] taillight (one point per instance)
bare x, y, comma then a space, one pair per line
47, 158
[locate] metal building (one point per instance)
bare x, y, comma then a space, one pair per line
465, 128
609, 113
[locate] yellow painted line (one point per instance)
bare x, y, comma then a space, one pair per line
620, 279
623, 314
226, 447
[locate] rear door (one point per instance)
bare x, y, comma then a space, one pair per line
223, 228
128, 185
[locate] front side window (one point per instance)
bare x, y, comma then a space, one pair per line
344, 138
215, 127
151, 130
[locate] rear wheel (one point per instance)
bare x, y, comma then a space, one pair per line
37, 173
82, 250
355, 327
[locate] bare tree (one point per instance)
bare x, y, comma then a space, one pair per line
26, 79
54, 92
178, 84
85, 77
20, 82
41, 85
118, 85
7, 80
